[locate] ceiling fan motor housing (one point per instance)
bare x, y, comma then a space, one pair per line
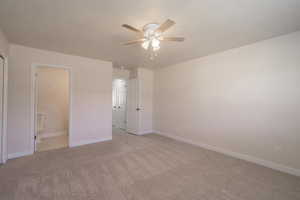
150, 30
152, 35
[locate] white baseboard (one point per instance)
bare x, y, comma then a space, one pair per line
241, 156
84, 142
131, 131
53, 134
145, 132
19, 154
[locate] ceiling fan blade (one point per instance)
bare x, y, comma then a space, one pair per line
166, 25
175, 39
132, 28
139, 41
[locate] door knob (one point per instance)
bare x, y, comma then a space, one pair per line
137, 109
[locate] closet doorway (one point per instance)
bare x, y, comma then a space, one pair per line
51, 108
119, 102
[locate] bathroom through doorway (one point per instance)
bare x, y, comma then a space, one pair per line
52, 91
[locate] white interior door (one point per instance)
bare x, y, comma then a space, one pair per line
119, 103
1, 105
122, 105
114, 106
133, 107
35, 110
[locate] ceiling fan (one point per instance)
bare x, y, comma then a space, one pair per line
152, 35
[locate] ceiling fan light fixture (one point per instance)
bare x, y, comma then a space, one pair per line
156, 48
155, 43
146, 44
153, 34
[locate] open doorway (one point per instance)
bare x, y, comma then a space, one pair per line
51, 108
119, 103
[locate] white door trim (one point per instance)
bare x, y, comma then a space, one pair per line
34, 66
3, 155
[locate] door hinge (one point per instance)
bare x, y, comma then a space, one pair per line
35, 137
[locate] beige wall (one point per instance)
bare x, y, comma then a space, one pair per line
91, 97
53, 98
121, 73
4, 46
245, 100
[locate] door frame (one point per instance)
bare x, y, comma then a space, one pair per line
33, 108
3, 156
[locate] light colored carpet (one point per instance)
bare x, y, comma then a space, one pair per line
148, 167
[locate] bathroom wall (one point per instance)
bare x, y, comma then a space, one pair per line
53, 99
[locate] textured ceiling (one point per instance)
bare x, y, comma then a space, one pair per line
92, 28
